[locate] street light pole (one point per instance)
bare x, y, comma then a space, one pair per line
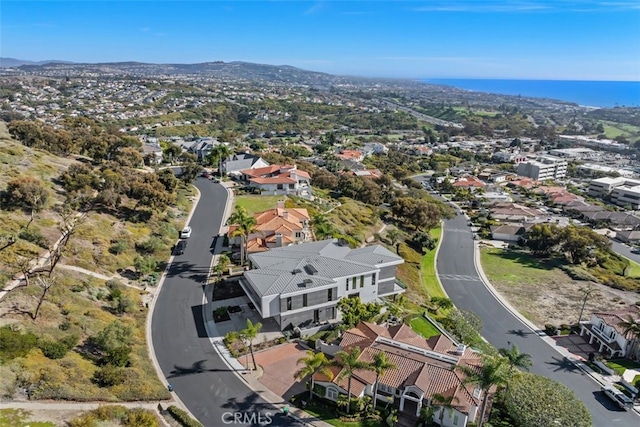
587, 292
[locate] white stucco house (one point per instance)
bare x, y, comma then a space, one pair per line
604, 330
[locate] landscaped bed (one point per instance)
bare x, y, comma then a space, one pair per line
227, 288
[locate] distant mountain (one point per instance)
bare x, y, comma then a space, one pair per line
12, 62
285, 74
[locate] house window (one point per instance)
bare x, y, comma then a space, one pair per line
298, 234
362, 281
455, 419
347, 285
289, 303
353, 283
332, 394
280, 187
330, 294
304, 300
373, 279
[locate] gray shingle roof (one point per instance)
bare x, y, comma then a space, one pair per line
280, 270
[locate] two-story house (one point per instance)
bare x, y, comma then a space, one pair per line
278, 180
423, 368
604, 330
300, 285
275, 228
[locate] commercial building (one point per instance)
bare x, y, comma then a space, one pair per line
543, 168
624, 192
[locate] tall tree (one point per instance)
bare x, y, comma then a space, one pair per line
222, 152
380, 365
631, 329
515, 358
249, 334
445, 403
245, 225
349, 364
494, 372
313, 363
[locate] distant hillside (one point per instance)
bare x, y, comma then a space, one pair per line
12, 62
236, 70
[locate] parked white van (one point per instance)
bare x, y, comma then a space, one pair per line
621, 399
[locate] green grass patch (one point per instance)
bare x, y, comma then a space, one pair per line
508, 267
424, 327
428, 268
19, 418
613, 129
621, 365
255, 203
329, 416
633, 270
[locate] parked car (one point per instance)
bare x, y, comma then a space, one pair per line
180, 247
206, 174
185, 233
621, 399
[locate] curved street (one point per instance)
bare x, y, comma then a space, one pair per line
455, 265
200, 378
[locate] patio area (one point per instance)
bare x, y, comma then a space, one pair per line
277, 366
240, 309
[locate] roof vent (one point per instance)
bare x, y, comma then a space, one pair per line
310, 269
460, 349
307, 281
296, 271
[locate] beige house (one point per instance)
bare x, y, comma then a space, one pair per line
277, 227
424, 367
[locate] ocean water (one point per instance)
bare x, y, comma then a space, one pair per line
587, 93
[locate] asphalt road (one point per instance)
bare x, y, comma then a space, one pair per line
200, 378
456, 269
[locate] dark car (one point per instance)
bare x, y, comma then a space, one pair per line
180, 247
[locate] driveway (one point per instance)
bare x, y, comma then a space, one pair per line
577, 345
278, 366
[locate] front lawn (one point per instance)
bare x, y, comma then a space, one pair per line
621, 365
329, 416
254, 203
633, 270
424, 327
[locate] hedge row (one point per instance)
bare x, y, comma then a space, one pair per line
182, 417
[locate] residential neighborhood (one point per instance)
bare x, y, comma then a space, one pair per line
351, 252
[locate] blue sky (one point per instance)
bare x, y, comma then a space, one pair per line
529, 39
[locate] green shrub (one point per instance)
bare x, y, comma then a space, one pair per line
35, 236
14, 343
58, 349
119, 356
109, 375
118, 247
182, 417
150, 246
138, 417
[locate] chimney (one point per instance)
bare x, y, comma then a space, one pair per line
285, 214
278, 240
280, 204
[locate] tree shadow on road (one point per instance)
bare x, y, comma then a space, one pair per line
563, 364
195, 368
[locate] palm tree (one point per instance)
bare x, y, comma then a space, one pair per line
445, 403
380, 365
313, 363
249, 333
515, 359
222, 151
493, 372
245, 225
631, 328
349, 363
322, 227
